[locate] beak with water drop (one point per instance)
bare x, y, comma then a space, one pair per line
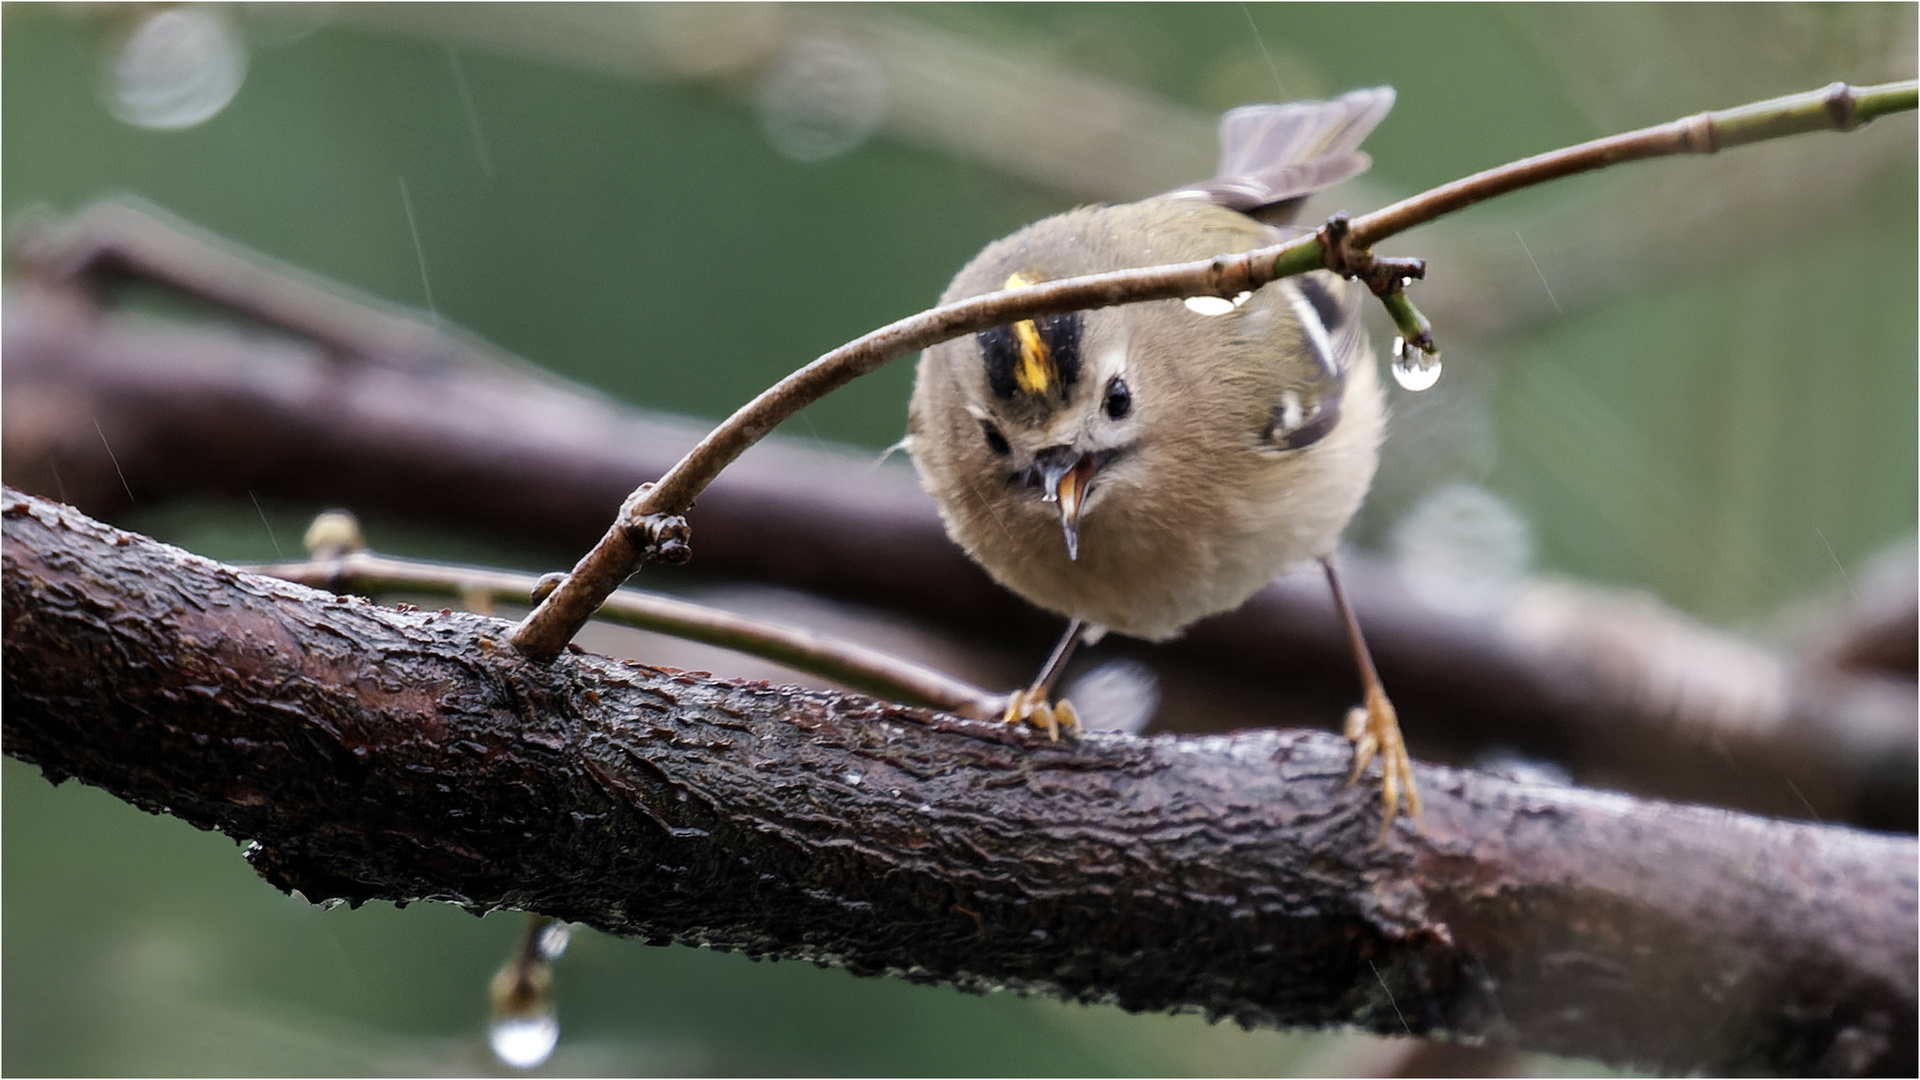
1066, 476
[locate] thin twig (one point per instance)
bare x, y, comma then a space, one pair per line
649, 524
843, 662
1837, 107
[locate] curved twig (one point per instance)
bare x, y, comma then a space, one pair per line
652, 512
843, 662
649, 521
1837, 107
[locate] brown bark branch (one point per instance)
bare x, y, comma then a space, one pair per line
373, 753
497, 447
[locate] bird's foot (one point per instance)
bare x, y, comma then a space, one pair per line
1030, 706
1374, 730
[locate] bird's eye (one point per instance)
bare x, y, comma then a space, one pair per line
996, 442
1119, 399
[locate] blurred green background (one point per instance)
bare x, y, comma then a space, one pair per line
1694, 377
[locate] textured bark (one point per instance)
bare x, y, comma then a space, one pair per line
379, 753
376, 416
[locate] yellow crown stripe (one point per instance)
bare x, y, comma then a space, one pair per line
1036, 372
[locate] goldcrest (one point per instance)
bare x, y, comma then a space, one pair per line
1137, 468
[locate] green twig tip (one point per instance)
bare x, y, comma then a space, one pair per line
1413, 326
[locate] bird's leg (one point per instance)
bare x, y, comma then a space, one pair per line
1031, 705
1373, 727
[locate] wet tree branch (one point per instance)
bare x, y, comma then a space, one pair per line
431, 426
371, 753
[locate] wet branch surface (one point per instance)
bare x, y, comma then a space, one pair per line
374, 753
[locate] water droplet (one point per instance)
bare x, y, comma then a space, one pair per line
178, 68
1504, 761
1215, 305
1119, 695
1413, 368
524, 1042
554, 940
822, 99
1463, 550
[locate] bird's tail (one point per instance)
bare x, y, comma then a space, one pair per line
1273, 156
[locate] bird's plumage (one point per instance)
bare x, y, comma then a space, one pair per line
1139, 467
1221, 449
1217, 481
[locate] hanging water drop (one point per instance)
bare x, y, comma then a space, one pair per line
524, 1042
524, 1029
554, 939
1414, 368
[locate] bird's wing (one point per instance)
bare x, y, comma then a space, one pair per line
1327, 313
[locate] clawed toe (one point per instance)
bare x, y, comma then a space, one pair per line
1031, 707
1374, 730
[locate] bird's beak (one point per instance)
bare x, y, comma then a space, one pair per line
1066, 480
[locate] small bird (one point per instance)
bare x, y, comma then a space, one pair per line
1137, 468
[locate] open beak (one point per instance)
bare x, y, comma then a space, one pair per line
1066, 480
